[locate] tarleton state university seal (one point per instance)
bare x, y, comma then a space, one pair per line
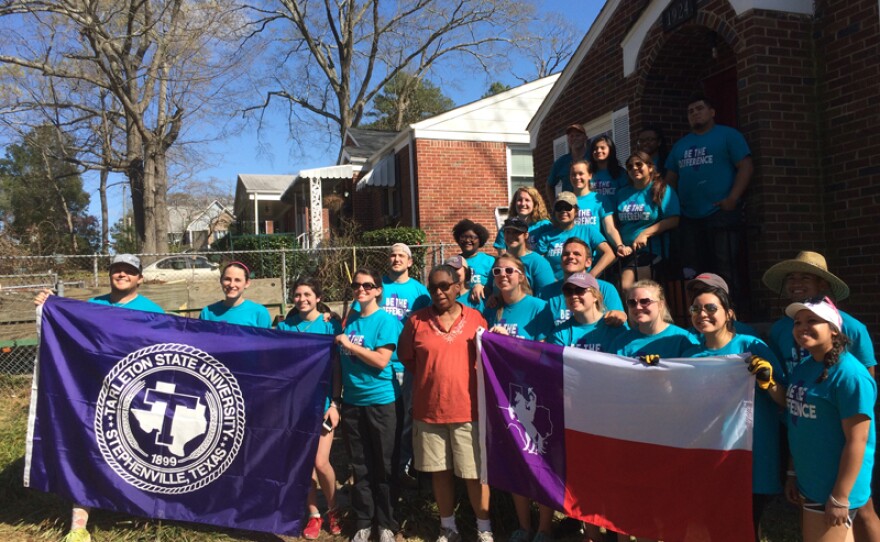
170, 418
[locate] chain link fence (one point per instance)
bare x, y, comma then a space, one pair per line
181, 283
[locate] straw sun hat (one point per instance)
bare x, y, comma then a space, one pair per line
805, 262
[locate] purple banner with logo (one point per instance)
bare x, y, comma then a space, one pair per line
175, 418
523, 406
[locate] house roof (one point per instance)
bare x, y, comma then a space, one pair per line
185, 217
366, 143
329, 173
265, 183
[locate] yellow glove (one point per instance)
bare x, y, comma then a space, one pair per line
762, 370
649, 359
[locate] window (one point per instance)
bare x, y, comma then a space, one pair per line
616, 125
520, 171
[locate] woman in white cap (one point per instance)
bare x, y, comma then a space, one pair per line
830, 414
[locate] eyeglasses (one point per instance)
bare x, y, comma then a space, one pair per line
441, 286
562, 207
367, 286
644, 302
468, 238
498, 271
710, 308
573, 290
635, 165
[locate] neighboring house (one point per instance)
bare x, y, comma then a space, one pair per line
198, 228
796, 77
464, 163
258, 206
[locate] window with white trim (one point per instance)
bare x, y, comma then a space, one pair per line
520, 169
615, 125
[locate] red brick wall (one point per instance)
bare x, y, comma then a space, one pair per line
848, 46
459, 179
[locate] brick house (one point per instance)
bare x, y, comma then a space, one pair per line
464, 163
797, 77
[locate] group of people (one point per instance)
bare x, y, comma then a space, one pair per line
404, 387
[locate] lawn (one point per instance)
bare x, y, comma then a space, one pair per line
27, 515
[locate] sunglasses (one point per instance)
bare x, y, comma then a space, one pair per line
710, 308
498, 271
573, 290
367, 286
562, 207
635, 165
441, 286
644, 302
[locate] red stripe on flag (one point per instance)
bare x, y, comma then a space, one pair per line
659, 492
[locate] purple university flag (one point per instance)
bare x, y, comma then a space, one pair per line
174, 418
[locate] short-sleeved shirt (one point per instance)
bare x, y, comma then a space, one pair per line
815, 435
246, 313
592, 209
319, 325
706, 168
606, 186
552, 294
139, 303
362, 384
443, 365
549, 240
561, 169
527, 318
465, 299
790, 354
499, 238
636, 211
481, 267
597, 336
538, 271
766, 451
672, 342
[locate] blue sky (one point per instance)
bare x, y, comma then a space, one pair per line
241, 153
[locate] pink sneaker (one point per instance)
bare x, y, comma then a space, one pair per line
313, 528
333, 521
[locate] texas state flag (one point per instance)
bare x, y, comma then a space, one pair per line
659, 452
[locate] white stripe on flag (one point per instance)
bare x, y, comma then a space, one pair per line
622, 398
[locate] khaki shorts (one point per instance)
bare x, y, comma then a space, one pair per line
447, 446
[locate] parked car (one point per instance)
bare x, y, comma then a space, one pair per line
183, 267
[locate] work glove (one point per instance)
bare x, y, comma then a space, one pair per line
649, 359
762, 370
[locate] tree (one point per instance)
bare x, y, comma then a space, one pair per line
44, 205
338, 56
124, 235
160, 62
405, 100
497, 87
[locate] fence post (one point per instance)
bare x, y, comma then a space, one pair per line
95, 269
283, 282
354, 260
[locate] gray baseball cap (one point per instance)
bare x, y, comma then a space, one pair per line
128, 259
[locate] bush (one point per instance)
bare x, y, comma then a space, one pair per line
263, 264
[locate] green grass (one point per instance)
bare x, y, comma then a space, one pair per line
28, 515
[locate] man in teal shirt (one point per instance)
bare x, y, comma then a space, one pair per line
577, 150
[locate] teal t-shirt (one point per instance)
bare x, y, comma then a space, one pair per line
815, 436
706, 168
549, 240
552, 294
481, 267
538, 271
400, 299
672, 342
606, 186
597, 336
318, 326
591, 210
559, 173
465, 299
362, 384
139, 303
527, 318
499, 238
766, 451
636, 211
247, 313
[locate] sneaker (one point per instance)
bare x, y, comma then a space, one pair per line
520, 535
485, 536
313, 528
385, 535
78, 535
362, 535
542, 537
334, 518
448, 535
